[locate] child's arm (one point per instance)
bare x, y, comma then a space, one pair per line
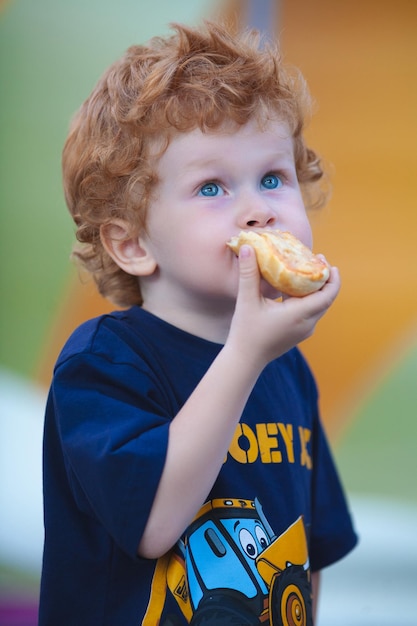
201, 432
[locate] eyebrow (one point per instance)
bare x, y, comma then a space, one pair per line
284, 157
204, 162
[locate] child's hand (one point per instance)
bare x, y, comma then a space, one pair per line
263, 329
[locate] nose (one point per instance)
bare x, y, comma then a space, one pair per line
255, 213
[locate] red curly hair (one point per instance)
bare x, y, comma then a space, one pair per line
195, 78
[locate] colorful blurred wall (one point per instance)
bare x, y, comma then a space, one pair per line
360, 60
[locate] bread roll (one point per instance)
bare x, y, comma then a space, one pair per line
284, 262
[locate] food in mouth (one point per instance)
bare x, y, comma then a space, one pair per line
284, 261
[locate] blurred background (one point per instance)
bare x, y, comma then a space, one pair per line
360, 60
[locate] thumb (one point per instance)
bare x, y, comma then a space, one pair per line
248, 272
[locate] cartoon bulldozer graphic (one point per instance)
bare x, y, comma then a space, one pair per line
233, 569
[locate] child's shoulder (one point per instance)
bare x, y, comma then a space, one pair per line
102, 334
120, 336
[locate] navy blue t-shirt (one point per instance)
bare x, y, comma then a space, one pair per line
276, 512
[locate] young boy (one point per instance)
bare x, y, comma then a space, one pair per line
187, 478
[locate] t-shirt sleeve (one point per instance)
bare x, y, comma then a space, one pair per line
332, 531
113, 424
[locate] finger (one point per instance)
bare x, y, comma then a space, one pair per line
249, 278
318, 302
314, 305
333, 280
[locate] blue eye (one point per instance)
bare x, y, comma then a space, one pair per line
210, 189
271, 181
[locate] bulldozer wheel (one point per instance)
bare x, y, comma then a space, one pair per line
222, 610
290, 598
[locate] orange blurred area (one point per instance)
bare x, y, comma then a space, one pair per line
360, 60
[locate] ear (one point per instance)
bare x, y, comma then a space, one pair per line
131, 254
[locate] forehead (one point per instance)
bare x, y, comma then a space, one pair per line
271, 136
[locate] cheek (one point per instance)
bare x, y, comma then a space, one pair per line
308, 239
302, 230
192, 254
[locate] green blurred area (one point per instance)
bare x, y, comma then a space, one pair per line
16, 580
377, 454
51, 54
